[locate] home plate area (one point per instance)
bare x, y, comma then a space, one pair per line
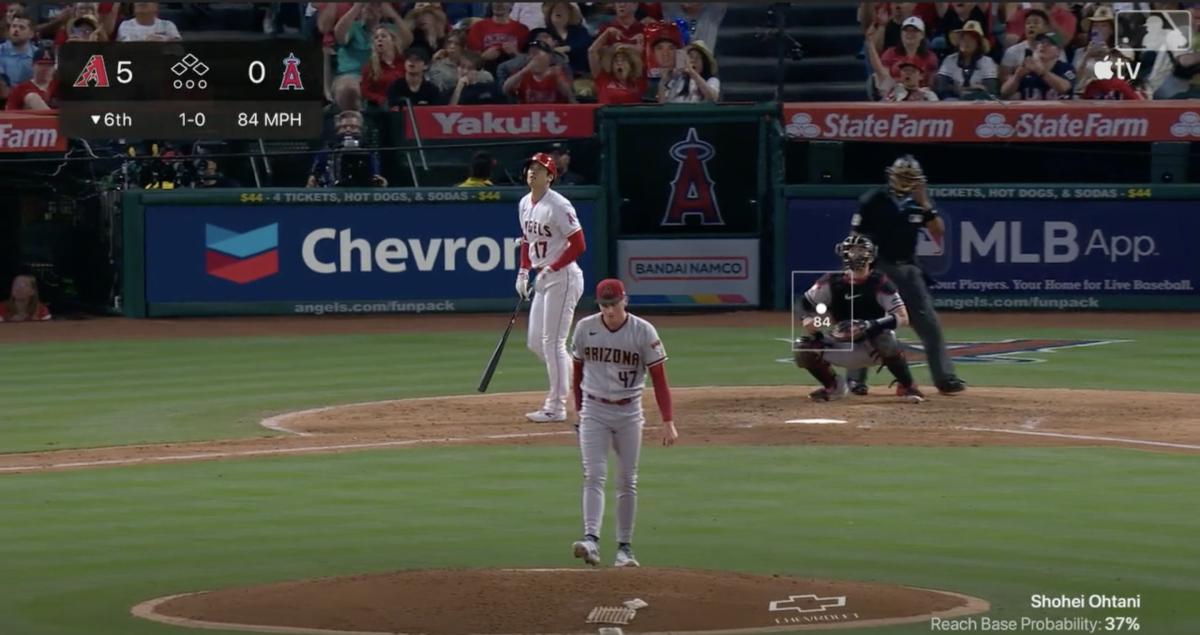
544, 601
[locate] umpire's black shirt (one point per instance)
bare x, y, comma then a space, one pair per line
892, 223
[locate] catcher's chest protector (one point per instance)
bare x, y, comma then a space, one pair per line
864, 296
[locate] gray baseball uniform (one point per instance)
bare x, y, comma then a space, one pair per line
614, 375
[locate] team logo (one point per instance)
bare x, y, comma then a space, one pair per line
94, 74
808, 603
241, 257
692, 190
1002, 351
291, 74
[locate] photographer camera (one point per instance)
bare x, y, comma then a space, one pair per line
344, 163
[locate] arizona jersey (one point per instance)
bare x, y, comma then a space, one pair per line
546, 226
868, 299
615, 361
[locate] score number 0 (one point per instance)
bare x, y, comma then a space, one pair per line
257, 68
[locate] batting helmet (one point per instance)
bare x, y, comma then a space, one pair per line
904, 174
544, 160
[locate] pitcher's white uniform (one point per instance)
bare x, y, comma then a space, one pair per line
614, 374
546, 226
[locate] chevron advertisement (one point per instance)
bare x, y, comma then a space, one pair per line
1021, 254
438, 254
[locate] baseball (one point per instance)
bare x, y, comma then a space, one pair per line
821, 308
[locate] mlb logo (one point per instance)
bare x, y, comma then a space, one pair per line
1154, 31
241, 257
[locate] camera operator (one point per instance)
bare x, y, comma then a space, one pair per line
344, 163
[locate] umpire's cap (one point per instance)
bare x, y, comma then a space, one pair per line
544, 160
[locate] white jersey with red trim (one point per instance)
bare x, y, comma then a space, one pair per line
546, 226
615, 361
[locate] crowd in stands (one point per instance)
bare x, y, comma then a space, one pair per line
930, 51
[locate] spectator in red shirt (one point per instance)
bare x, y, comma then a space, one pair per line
104, 14
385, 66
1061, 18
40, 92
497, 38
618, 75
23, 304
541, 80
625, 24
912, 45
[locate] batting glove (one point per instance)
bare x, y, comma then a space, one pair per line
522, 283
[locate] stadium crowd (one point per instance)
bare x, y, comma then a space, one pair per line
929, 51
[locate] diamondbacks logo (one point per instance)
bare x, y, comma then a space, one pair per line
241, 257
692, 190
94, 74
1002, 351
291, 74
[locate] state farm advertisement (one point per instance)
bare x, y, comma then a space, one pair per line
22, 132
1034, 122
711, 272
502, 121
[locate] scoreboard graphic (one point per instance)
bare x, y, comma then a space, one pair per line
200, 90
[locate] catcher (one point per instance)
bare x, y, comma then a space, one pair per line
867, 339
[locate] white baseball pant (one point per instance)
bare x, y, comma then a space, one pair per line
550, 317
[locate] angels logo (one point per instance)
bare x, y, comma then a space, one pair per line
291, 74
93, 71
692, 190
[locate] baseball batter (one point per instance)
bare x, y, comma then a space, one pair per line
870, 302
613, 351
551, 242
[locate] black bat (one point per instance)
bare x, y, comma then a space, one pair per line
495, 360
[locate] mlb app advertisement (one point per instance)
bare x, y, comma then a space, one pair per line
396, 258
1022, 254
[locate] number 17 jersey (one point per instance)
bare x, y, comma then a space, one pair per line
615, 361
546, 225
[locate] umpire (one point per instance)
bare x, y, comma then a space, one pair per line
893, 216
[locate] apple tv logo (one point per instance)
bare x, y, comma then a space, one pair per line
1120, 68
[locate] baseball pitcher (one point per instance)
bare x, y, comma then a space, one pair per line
864, 308
613, 351
551, 241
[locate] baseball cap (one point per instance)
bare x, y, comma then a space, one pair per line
43, 56
908, 60
609, 291
1051, 37
914, 22
541, 46
558, 148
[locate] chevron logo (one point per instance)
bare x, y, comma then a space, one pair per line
241, 257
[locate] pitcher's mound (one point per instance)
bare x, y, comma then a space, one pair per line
510, 601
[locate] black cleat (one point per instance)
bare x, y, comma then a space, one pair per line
857, 388
951, 386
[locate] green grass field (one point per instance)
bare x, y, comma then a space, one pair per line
81, 547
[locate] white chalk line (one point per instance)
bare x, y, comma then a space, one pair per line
1082, 437
271, 451
276, 422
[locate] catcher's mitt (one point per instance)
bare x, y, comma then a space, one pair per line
850, 330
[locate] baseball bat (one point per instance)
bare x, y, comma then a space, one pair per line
495, 360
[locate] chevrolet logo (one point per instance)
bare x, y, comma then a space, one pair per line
808, 603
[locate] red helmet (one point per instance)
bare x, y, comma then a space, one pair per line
544, 160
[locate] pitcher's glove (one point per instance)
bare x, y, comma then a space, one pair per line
850, 330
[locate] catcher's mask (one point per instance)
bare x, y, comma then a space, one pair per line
856, 251
904, 174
